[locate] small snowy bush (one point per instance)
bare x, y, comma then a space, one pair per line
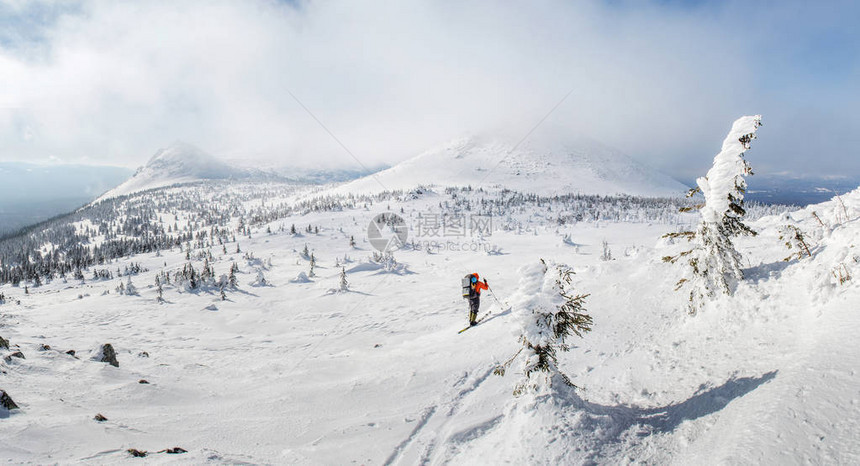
260, 280
549, 313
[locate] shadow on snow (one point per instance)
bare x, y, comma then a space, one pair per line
610, 424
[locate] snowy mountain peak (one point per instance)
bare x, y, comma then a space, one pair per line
544, 164
180, 162
186, 160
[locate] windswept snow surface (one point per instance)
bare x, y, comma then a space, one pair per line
287, 373
541, 164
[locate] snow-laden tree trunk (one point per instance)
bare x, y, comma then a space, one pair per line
714, 261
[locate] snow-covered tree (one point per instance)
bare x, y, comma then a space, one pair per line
232, 278
159, 289
715, 263
261, 279
550, 313
344, 284
607, 253
130, 289
795, 241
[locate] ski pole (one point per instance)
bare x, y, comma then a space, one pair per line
493, 294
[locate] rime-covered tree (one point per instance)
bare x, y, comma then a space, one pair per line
159, 289
715, 263
344, 284
261, 279
550, 314
130, 289
607, 253
795, 241
232, 278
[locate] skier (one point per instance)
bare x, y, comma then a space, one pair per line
475, 297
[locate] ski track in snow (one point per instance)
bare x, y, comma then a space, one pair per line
424, 438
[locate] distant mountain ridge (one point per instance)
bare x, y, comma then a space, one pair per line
178, 163
540, 165
185, 163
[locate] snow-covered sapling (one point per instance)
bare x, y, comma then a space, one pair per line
550, 313
232, 278
261, 279
130, 289
795, 241
344, 284
607, 253
715, 263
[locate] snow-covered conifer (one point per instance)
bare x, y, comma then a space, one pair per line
261, 279
795, 241
232, 278
344, 284
130, 289
549, 313
715, 263
607, 253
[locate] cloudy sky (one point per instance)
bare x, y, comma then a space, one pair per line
108, 82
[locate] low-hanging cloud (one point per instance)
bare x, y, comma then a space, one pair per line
111, 82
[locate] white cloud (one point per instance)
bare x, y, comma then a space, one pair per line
117, 80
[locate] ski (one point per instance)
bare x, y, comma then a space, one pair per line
477, 322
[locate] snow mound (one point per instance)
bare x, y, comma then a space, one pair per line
540, 165
178, 163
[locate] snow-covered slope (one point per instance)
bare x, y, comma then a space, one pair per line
542, 165
178, 163
303, 371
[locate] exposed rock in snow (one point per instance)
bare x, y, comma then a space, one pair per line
6, 402
106, 353
16, 354
4, 343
